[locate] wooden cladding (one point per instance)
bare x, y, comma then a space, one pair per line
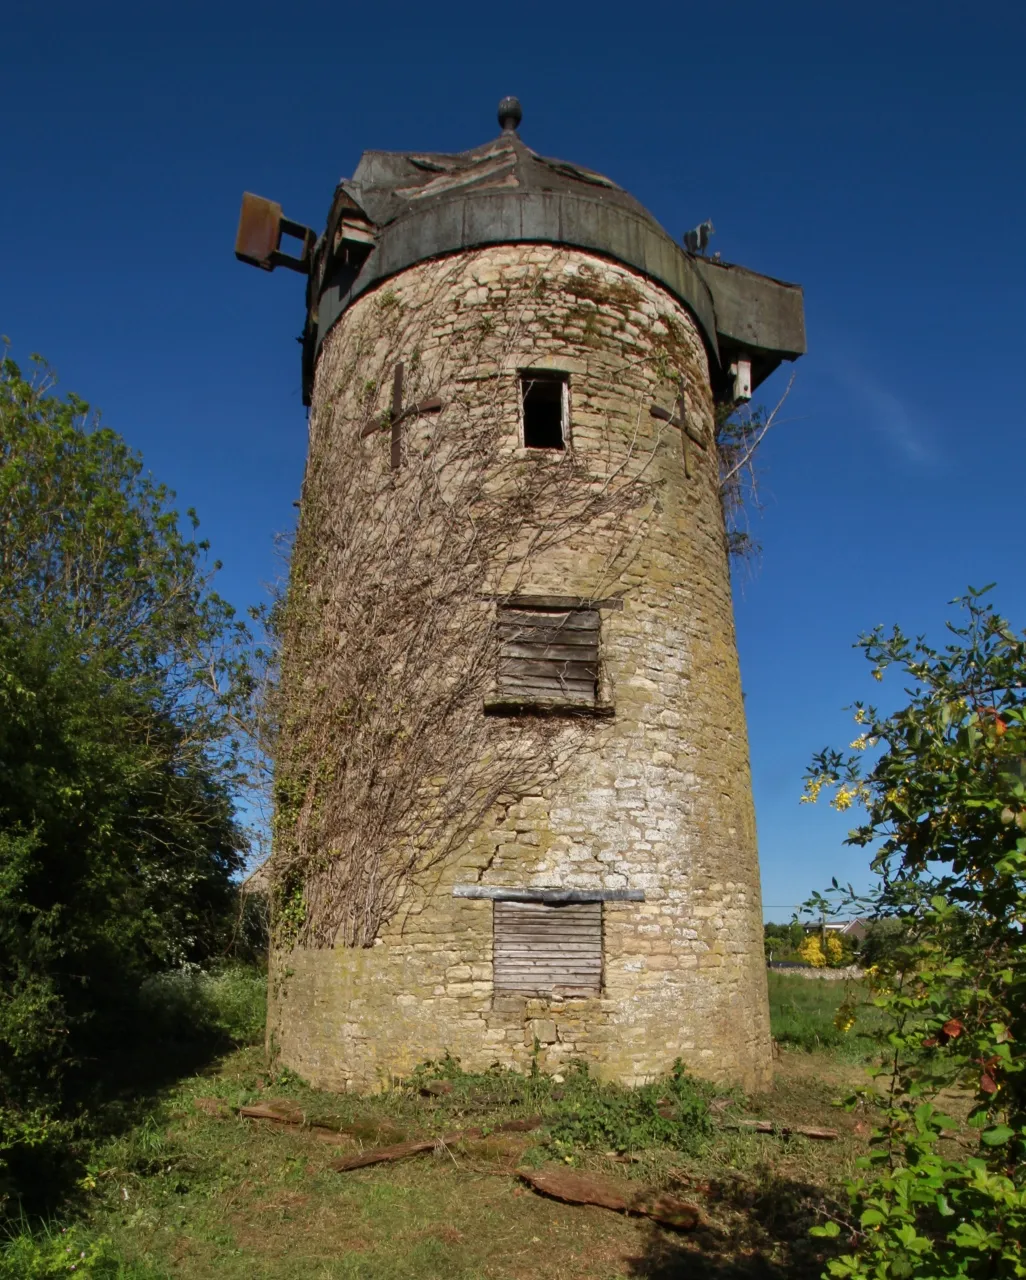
548, 655
541, 949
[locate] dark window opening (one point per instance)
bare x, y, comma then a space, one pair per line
544, 397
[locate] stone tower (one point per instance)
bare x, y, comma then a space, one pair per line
514, 816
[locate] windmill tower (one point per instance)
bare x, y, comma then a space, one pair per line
514, 817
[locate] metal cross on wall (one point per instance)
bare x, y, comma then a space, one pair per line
398, 415
679, 418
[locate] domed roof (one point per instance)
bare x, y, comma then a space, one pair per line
400, 208
388, 184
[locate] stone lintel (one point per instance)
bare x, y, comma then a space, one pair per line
499, 894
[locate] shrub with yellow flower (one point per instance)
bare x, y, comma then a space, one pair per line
812, 953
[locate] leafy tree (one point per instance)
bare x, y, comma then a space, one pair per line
941, 781
783, 940
882, 938
122, 679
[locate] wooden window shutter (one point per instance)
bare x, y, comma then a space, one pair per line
548, 655
541, 949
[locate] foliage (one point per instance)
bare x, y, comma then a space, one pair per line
229, 1000
783, 940
834, 951
882, 939
811, 951
122, 677
71, 1251
583, 1113
941, 780
668, 1113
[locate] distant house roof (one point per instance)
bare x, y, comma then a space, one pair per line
846, 928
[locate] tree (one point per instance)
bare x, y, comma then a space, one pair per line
122, 677
941, 781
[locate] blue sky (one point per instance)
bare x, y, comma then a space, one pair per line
871, 152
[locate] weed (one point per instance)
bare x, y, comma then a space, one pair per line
580, 1112
50, 1252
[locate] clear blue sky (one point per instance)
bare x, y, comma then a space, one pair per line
871, 152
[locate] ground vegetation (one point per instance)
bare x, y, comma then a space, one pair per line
193, 1189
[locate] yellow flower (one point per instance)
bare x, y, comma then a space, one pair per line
844, 798
860, 743
844, 1020
813, 786
877, 673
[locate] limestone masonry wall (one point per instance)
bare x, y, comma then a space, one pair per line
658, 795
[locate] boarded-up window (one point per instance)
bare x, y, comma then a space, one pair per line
548, 655
541, 949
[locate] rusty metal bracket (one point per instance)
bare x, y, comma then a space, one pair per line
261, 227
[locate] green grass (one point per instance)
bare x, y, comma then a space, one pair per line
802, 1012
190, 1189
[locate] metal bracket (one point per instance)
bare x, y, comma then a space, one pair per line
261, 227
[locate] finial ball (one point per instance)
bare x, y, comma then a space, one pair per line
510, 114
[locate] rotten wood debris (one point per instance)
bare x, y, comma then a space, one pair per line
400, 1151
578, 1188
784, 1130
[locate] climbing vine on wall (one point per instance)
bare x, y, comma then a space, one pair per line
385, 762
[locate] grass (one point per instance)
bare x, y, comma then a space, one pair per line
191, 1190
802, 1012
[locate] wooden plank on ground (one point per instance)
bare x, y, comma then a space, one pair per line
402, 1150
578, 1188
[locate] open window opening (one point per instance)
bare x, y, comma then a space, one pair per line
545, 400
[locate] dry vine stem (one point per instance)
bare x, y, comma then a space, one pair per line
740, 435
386, 763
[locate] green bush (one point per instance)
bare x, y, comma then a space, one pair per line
669, 1113
53, 1255
230, 1001
942, 781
